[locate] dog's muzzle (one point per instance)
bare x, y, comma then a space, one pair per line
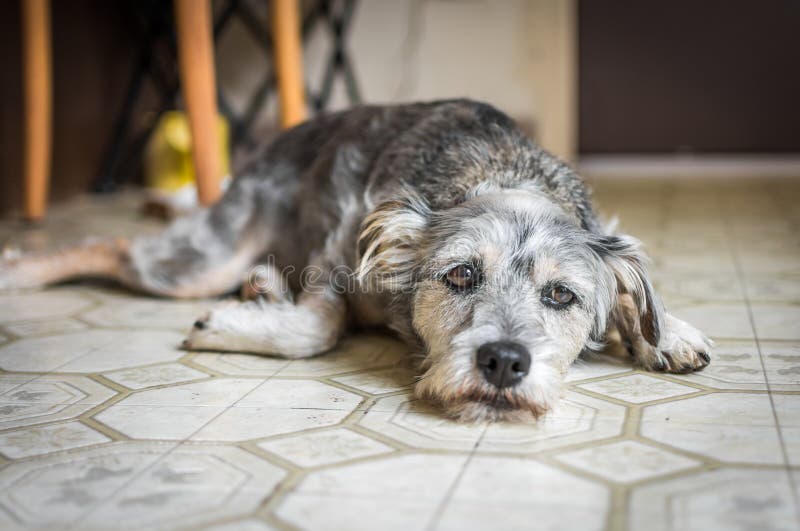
503, 363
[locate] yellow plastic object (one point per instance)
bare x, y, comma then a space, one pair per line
168, 158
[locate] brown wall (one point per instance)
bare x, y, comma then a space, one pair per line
92, 57
687, 75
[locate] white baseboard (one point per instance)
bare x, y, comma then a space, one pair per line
689, 166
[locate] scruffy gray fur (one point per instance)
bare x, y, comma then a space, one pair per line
376, 216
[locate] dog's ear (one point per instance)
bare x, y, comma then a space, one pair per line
388, 243
627, 261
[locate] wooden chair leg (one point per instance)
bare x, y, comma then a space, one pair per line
198, 85
36, 63
285, 23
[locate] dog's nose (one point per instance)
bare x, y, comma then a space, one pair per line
503, 363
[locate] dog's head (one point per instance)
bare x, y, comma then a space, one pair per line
504, 290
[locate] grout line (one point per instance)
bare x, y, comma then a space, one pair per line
177, 444
437, 515
751, 317
284, 488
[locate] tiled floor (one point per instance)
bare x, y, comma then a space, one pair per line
105, 423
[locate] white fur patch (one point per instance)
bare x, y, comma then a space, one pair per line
280, 328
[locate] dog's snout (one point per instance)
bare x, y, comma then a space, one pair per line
503, 363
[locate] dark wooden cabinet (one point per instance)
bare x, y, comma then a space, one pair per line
705, 76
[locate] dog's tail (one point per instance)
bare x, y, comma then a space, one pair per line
105, 258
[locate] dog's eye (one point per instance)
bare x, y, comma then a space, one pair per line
558, 296
462, 277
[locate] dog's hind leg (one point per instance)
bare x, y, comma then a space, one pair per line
277, 323
205, 254
101, 258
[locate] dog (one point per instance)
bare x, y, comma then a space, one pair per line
441, 221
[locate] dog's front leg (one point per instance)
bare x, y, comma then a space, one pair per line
681, 347
299, 329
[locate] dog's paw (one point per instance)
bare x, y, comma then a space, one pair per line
231, 327
682, 349
203, 335
212, 331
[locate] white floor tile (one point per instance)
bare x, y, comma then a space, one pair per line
162, 374
720, 499
393, 493
220, 392
325, 447
158, 422
638, 388
738, 428
514, 493
626, 461
196, 438
38, 306
39, 440
90, 351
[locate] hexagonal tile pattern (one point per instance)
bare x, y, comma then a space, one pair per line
163, 422
777, 322
734, 365
638, 388
595, 366
234, 483
379, 381
720, 499
626, 461
240, 364
153, 375
718, 321
105, 422
241, 424
91, 351
325, 447
147, 313
490, 494
45, 327
353, 354
723, 287
25, 400
278, 407
39, 440
176, 412
39, 306
782, 363
219, 392
417, 424
137, 485
400, 493
577, 418
59, 490
770, 289
726, 426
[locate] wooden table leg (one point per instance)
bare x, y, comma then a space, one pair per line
198, 85
285, 23
38, 90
